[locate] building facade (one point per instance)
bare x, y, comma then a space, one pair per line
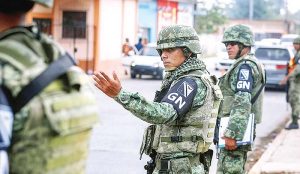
93, 31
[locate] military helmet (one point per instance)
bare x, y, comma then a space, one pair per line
47, 3
239, 33
296, 40
179, 36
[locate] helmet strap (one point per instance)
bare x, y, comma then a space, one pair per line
186, 52
241, 47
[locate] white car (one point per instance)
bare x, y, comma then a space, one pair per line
287, 40
147, 63
223, 62
275, 60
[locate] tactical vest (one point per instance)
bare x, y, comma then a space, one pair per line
228, 93
51, 132
194, 133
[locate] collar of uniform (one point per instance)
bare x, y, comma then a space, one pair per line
190, 64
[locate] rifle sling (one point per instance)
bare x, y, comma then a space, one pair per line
53, 71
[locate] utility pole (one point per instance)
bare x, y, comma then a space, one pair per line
286, 16
250, 10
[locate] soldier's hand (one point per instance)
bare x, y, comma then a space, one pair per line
283, 81
230, 144
110, 87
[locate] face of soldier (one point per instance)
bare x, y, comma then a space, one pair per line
233, 49
172, 58
296, 47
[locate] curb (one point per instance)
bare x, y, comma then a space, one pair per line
281, 157
257, 168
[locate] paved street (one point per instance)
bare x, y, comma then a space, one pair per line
116, 139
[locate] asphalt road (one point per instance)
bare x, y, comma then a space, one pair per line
115, 142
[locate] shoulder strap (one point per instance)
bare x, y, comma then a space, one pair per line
253, 100
53, 71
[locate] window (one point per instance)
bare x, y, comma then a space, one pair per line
74, 24
272, 54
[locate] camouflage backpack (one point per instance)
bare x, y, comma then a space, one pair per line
60, 115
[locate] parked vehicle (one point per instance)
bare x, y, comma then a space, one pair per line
287, 40
147, 63
223, 62
268, 41
275, 60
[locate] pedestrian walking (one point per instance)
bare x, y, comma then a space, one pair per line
127, 48
46, 105
184, 110
294, 85
242, 87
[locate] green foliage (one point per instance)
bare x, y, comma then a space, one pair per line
262, 9
210, 20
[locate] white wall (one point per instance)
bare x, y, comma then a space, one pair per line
117, 21
129, 18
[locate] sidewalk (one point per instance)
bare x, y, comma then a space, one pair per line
283, 155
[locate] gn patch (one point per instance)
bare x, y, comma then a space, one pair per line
245, 79
181, 95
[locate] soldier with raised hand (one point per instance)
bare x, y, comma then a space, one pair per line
45, 98
184, 110
294, 85
242, 87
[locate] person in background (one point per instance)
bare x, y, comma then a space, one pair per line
126, 48
139, 46
294, 85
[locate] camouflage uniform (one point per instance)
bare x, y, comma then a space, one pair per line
51, 132
294, 89
175, 127
237, 99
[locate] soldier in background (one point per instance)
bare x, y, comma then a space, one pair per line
242, 87
184, 110
294, 85
46, 95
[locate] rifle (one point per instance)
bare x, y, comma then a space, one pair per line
150, 166
216, 135
287, 83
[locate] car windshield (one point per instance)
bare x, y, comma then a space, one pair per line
272, 54
150, 51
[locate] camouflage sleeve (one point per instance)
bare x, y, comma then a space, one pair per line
296, 72
241, 106
151, 112
155, 112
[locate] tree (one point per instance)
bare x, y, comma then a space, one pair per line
210, 19
262, 9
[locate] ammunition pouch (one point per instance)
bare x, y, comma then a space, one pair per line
146, 146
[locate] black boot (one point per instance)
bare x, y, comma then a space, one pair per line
293, 125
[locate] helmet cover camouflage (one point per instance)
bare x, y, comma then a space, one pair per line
239, 33
47, 3
296, 40
179, 36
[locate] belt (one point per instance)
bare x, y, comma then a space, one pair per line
172, 139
